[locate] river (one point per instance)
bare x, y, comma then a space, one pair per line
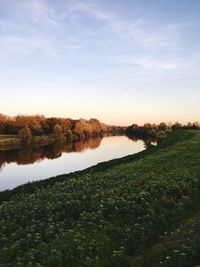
30, 164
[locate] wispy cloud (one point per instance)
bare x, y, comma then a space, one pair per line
150, 45
73, 26
139, 30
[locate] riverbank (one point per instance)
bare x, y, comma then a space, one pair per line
140, 210
38, 130
10, 142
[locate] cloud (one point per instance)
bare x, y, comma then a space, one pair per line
148, 32
148, 44
139, 30
73, 27
35, 28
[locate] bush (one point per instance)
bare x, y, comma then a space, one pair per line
25, 135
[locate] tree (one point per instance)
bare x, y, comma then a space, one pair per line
189, 125
10, 127
25, 135
147, 126
2, 123
33, 122
57, 132
176, 126
162, 126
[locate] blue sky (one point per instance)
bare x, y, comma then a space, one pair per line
119, 61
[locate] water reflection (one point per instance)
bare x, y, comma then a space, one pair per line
32, 164
30, 155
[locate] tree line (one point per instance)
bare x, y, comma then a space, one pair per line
158, 131
27, 127
67, 129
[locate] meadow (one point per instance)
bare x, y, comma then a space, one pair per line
141, 210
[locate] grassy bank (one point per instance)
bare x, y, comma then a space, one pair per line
141, 210
9, 142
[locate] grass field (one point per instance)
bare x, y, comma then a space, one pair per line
140, 211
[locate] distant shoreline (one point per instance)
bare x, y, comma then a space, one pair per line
9, 142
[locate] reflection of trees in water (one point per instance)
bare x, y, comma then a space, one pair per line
30, 155
87, 144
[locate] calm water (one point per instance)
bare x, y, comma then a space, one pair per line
20, 166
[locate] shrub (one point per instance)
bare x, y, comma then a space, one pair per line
25, 135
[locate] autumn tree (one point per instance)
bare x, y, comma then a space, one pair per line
25, 135
57, 132
84, 129
147, 126
33, 122
2, 123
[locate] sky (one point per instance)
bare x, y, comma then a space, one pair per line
122, 62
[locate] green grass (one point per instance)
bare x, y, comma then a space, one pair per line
141, 211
